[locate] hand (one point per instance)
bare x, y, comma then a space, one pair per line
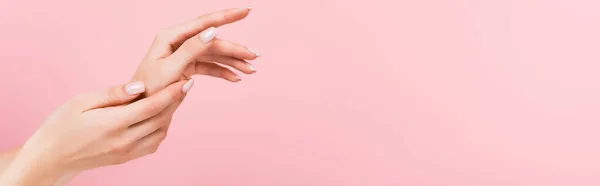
93, 130
191, 48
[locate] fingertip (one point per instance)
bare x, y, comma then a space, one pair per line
232, 77
236, 78
188, 86
246, 9
256, 54
135, 88
251, 68
250, 56
240, 13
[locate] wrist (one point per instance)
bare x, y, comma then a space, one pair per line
28, 169
19, 174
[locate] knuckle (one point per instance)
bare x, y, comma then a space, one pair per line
226, 45
78, 98
222, 16
76, 101
161, 135
153, 150
218, 44
228, 48
114, 128
121, 124
174, 95
163, 121
111, 95
151, 107
155, 122
162, 33
111, 126
121, 149
120, 160
192, 46
165, 98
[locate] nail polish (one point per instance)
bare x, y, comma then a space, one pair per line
188, 85
208, 35
251, 67
254, 52
135, 88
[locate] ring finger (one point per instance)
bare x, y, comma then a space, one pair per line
227, 48
216, 70
236, 63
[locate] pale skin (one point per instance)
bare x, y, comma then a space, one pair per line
117, 125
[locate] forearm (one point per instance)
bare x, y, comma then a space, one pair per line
7, 158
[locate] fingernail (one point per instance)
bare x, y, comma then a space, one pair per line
208, 35
135, 88
250, 67
188, 85
238, 77
249, 8
254, 52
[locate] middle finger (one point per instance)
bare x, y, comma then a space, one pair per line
227, 48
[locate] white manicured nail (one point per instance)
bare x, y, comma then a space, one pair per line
250, 67
135, 88
188, 85
208, 35
254, 52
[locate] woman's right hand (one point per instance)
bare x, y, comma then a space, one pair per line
93, 130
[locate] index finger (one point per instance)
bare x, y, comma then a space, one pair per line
215, 19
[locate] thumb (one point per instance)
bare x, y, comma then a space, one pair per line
113, 96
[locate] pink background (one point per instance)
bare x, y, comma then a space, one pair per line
348, 92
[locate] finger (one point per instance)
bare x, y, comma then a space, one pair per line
236, 63
170, 110
151, 106
170, 39
189, 51
216, 19
113, 96
215, 70
226, 48
148, 144
144, 128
